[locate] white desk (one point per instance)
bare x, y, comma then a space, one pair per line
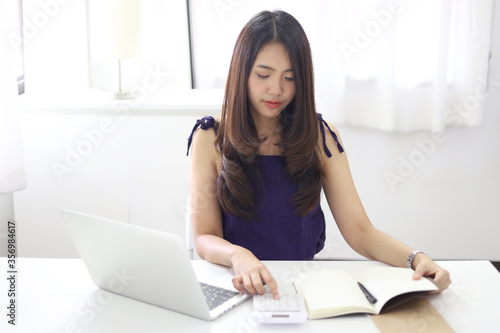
57, 295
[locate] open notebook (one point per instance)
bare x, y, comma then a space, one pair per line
330, 293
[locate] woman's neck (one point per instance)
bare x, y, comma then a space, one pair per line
270, 132
266, 127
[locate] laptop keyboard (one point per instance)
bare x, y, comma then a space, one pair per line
215, 296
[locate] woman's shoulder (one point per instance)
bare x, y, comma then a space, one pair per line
329, 137
328, 124
207, 122
205, 137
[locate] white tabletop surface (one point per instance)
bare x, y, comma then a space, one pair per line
57, 295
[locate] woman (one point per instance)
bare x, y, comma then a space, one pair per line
258, 170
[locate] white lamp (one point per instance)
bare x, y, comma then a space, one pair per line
115, 34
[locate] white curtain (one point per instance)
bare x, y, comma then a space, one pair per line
12, 176
392, 65
404, 65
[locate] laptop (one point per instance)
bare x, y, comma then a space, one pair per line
151, 266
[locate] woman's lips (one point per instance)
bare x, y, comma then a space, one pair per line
272, 104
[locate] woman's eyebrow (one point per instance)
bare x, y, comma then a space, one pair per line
272, 69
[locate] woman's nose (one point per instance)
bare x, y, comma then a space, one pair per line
275, 87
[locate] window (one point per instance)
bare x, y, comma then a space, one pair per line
56, 53
389, 65
215, 25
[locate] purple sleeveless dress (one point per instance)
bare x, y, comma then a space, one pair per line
276, 233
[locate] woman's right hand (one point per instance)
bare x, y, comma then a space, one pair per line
251, 274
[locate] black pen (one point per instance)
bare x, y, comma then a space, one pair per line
368, 295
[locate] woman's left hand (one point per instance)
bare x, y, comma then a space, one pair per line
425, 266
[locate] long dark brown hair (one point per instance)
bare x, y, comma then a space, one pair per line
237, 134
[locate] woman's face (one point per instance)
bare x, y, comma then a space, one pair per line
271, 83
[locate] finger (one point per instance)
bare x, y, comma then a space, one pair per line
442, 276
442, 279
417, 275
258, 284
442, 287
271, 284
237, 283
420, 271
248, 284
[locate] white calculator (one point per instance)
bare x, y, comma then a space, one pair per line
289, 309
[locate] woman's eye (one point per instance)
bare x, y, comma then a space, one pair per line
263, 76
289, 78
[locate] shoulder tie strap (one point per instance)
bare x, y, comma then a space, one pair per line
323, 123
204, 123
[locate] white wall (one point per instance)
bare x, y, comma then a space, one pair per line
447, 207
137, 172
